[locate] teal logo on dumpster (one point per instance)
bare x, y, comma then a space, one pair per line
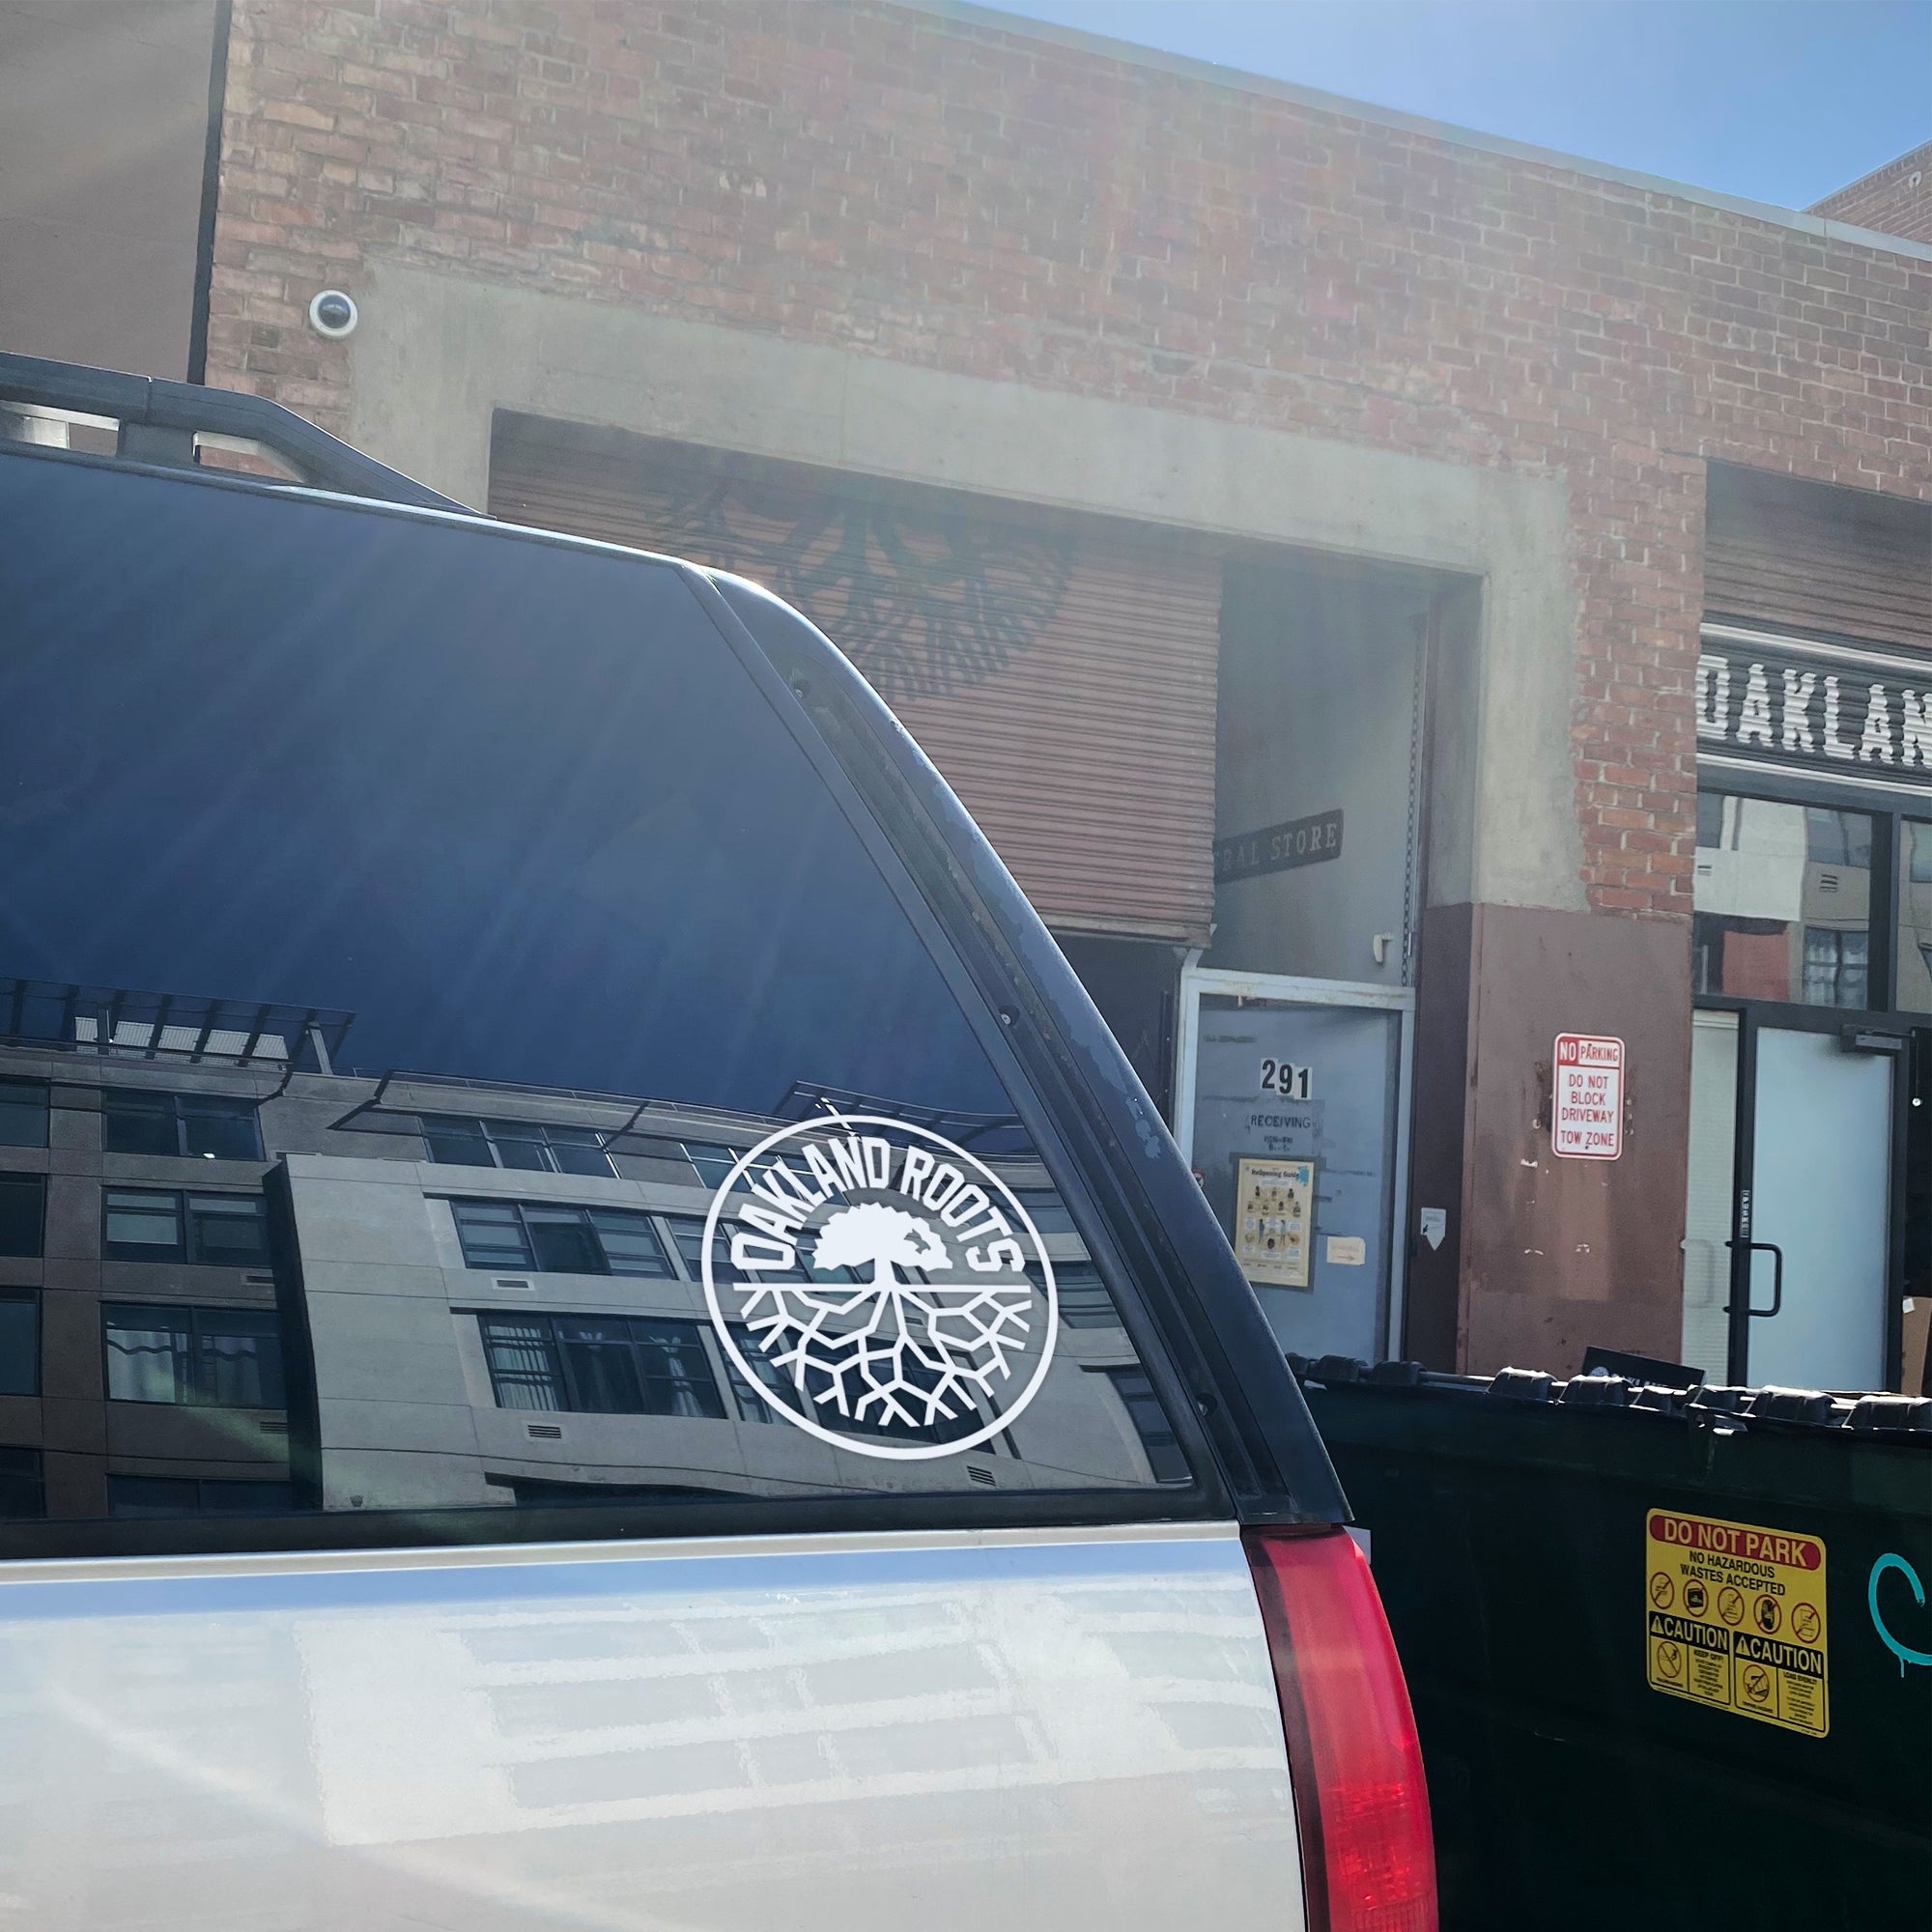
1902, 1651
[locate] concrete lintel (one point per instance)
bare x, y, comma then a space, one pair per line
436, 354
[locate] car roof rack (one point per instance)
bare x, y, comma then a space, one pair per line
167, 423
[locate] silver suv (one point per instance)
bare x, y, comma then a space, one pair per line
593, 1331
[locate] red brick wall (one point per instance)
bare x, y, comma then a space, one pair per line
963, 198
1895, 199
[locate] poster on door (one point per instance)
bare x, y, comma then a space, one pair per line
1586, 1099
1274, 1220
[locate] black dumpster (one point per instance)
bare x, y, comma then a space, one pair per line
1670, 1652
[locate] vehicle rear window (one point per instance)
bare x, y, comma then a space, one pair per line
461, 899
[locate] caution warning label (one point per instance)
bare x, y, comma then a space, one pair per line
1734, 1617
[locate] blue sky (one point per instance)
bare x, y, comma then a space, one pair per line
1781, 100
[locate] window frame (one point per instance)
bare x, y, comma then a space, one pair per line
1886, 808
563, 1369
195, 1354
11, 1086
588, 1210
532, 1133
30, 1297
186, 1243
158, 1100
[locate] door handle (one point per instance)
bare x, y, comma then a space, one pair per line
1776, 1255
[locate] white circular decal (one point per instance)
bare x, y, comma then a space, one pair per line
882, 1286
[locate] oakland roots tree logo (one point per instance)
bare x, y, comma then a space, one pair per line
879, 1287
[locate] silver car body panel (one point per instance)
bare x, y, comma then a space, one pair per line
954, 1732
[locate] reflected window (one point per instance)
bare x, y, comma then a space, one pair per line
1150, 1423
166, 1224
24, 1113
750, 1404
23, 1201
687, 1232
19, 1343
203, 1126
1835, 968
134, 1497
194, 1358
600, 1365
22, 1493
1914, 984
550, 1239
1084, 1301
1782, 906
534, 1145
1045, 1210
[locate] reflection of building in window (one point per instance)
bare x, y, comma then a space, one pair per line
603, 1382
1836, 967
600, 1365
751, 1406
23, 1213
19, 1343
200, 1357
1084, 1302
539, 1147
210, 1126
1914, 992
1150, 1423
558, 1239
165, 1224
1046, 1210
1782, 901
137, 1496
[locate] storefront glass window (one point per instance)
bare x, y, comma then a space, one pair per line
1783, 901
1914, 917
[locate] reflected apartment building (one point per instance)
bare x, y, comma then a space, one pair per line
234, 1279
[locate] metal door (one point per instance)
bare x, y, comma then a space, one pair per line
1792, 1251
1821, 1190
1292, 1113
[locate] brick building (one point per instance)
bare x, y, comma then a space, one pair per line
1895, 199
1329, 552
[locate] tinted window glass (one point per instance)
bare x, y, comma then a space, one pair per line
157, 1224
22, 1210
198, 1356
20, 1344
21, 1495
484, 889
24, 1113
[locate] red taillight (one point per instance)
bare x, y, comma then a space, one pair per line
1368, 1863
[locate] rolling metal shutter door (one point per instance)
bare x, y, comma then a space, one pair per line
1062, 679
1809, 558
